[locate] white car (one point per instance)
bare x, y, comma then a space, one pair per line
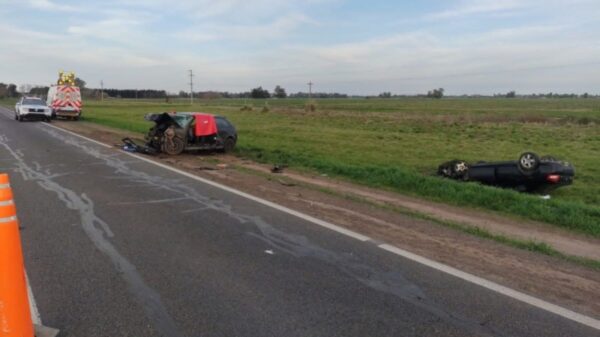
32, 108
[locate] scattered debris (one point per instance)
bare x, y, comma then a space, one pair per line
205, 168
269, 251
278, 168
130, 146
222, 166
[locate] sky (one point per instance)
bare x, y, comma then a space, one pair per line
349, 46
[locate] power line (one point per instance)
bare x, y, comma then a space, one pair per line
191, 87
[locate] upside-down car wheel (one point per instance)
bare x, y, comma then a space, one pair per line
528, 163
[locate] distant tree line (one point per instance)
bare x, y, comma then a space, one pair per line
436, 93
513, 94
258, 92
8, 90
134, 93
318, 95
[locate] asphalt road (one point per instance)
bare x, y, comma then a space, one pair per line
115, 246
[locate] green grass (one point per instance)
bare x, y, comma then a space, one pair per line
397, 144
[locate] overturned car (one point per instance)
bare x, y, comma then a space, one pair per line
529, 173
174, 133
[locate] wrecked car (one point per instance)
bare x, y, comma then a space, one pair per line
174, 133
529, 173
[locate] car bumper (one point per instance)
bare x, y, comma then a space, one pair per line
65, 113
41, 115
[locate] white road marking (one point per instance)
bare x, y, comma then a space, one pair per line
514, 294
35, 313
555, 309
78, 135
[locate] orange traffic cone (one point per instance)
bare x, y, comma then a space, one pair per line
15, 317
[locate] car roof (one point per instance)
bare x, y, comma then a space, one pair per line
187, 113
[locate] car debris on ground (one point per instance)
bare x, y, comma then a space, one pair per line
278, 168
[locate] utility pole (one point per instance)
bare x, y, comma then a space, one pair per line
310, 84
102, 90
191, 87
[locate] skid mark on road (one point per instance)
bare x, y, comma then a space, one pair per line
99, 233
391, 282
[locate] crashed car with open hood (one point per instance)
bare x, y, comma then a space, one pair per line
530, 173
174, 133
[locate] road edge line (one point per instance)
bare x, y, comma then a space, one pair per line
36, 318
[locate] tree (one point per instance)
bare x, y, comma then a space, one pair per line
3, 90
511, 94
38, 91
259, 93
585, 95
386, 94
279, 92
79, 83
436, 93
11, 90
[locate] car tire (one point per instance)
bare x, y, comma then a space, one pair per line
173, 146
229, 145
20, 118
528, 163
16, 117
454, 169
460, 170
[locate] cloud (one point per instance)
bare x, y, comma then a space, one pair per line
277, 28
479, 7
50, 6
235, 45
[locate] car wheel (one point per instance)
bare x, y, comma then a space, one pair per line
16, 117
20, 118
173, 146
228, 145
48, 119
460, 170
528, 162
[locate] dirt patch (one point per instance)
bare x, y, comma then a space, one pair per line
553, 279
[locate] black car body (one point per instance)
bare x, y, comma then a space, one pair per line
529, 173
175, 132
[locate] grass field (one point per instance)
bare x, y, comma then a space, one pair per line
398, 143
